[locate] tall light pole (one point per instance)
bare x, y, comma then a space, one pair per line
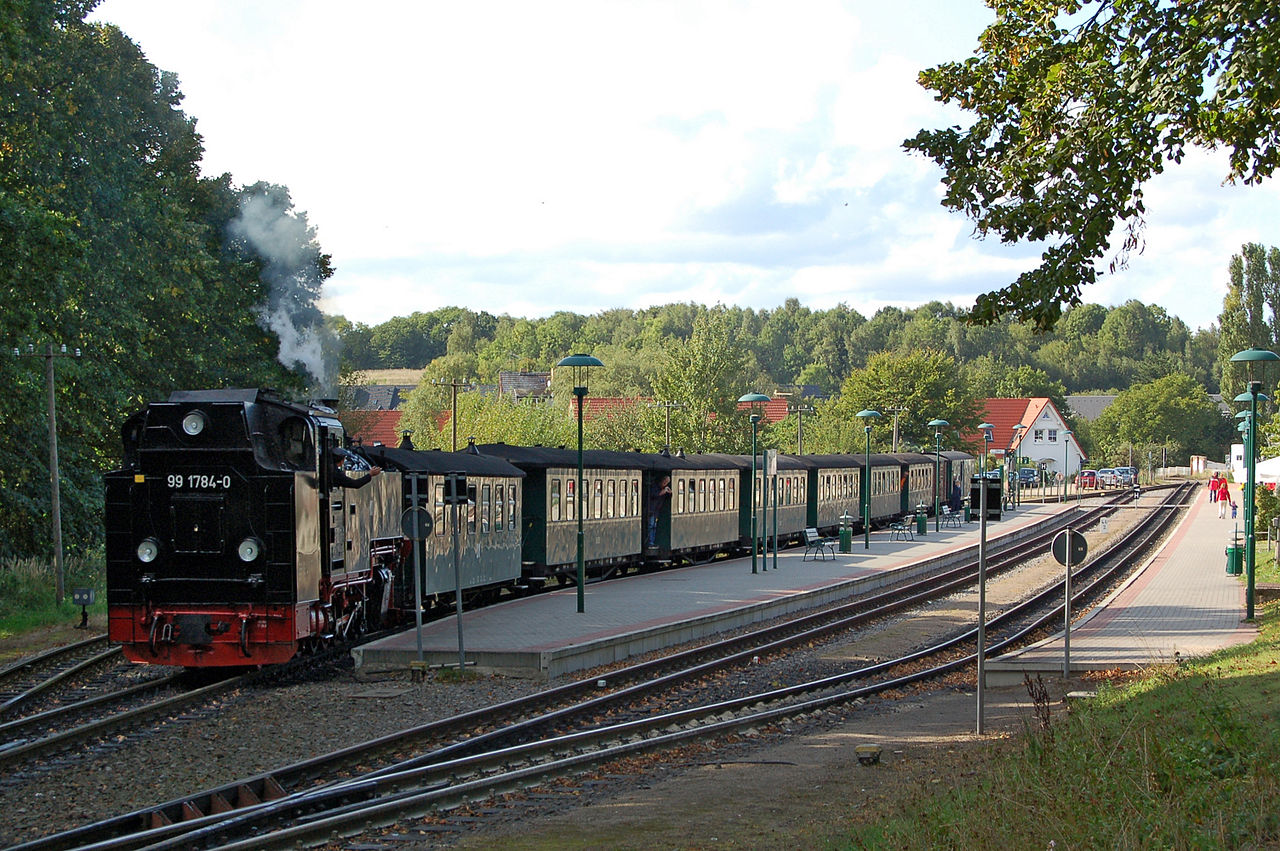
453, 386
867, 415
55, 494
1014, 442
937, 426
800, 411
581, 365
982, 577
1066, 450
1250, 357
754, 399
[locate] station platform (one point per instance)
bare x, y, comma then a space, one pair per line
544, 635
1182, 603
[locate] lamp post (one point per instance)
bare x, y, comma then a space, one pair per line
754, 399
1015, 480
800, 411
1250, 357
867, 415
982, 577
581, 365
667, 406
55, 496
1066, 449
937, 425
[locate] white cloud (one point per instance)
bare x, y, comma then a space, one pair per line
525, 158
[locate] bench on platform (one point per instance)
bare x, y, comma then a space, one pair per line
951, 518
817, 546
901, 531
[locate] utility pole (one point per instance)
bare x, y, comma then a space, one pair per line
668, 406
55, 494
896, 411
453, 386
800, 411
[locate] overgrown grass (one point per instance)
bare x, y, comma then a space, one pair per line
1187, 758
28, 591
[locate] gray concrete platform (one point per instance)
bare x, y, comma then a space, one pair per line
545, 636
1182, 603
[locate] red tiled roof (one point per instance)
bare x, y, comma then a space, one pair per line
379, 427
773, 411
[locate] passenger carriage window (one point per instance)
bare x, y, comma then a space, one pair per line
499, 508
471, 508
720, 494
486, 508
786, 492
612, 501
555, 499
733, 495
693, 498
570, 502
437, 500
511, 507
679, 498
597, 497
635, 498
702, 495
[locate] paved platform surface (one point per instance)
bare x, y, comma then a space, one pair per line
545, 635
1182, 602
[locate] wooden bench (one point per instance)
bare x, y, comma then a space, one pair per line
951, 518
901, 531
817, 546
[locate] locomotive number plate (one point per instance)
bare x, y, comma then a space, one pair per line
199, 481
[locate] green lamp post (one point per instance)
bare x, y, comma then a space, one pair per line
754, 399
867, 415
581, 365
1015, 483
1251, 356
937, 426
1066, 450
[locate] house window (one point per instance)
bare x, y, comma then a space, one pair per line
1053, 435
1039, 435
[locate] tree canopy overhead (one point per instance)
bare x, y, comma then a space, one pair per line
1077, 105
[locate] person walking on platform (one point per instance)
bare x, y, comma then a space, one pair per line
1233, 509
1213, 488
1224, 496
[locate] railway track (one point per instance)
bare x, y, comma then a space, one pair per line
27, 680
552, 732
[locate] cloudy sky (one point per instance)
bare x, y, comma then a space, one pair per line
525, 158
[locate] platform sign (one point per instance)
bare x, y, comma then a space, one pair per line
416, 523
1079, 547
455, 488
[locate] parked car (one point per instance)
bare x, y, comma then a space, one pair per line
1028, 476
1124, 476
1087, 479
1107, 477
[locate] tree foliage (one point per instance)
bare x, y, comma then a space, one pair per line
1077, 105
1172, 413
110, 242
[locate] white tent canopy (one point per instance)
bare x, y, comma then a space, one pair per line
1269, 470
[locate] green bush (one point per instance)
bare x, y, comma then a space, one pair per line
28, 590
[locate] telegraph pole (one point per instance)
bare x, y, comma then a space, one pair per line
668, 406
800, 411
55, 493
453, 386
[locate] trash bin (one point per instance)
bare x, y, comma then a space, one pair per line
846, 533
968, 514
1235, 559
922, 519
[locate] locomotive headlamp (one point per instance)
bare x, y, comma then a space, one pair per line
194, 423
148, 550
249, 549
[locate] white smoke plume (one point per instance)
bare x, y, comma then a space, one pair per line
292, 271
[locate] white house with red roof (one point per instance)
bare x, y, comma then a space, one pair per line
1044, 439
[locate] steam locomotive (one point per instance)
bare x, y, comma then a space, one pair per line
240, 531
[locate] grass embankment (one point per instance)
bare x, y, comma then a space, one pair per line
28, 592
1187, 757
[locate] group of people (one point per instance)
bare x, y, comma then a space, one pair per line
1220, 493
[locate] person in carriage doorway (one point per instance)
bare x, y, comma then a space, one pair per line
341, 458
660, 492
